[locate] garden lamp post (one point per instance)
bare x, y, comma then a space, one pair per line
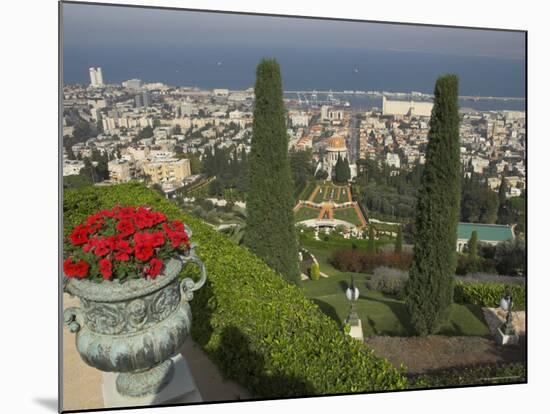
356, 329
506, 334
352, 293
506, 304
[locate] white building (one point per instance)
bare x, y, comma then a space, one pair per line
72, 167
220, 92
408, 108
393, 160
299, 120
119, 170
133, 84
96, 77
336, 148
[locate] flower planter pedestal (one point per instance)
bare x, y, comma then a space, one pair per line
134, 332
181, 389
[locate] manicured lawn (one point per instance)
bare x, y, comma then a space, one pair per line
335, 242
323, 256
308, 189
383, 315
306, 213
321, 195
347, 214
339, 195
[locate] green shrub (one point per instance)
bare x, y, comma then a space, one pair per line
259, 330
488, 294
314, 271
479, 375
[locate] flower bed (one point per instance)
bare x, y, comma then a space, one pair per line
122, 242
260, 330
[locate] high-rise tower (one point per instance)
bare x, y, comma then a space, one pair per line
99, 76
96, 77
93, 77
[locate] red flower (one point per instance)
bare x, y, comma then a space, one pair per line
95, 222
154, 268
159, 218
106, 213
176, 233
141, 237
143, 251
123, 250
79, 235
88, 246
125, 227
104, 246
79, 270
144, 218
96, 226
106, 268
124, 212
178, 225
133, 234
157, 238
122, 257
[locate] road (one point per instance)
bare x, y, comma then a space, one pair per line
353, 140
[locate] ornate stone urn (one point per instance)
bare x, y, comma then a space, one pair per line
135, 327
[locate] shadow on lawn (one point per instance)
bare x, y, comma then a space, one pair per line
328, 310
400, 312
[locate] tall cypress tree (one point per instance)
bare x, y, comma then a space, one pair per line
398, 248
430, 288
502, 201
472, 245
270, 231
371, 245
346, 170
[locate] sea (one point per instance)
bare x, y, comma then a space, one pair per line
305, 69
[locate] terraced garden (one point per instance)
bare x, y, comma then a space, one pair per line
306, 213
385, 315
347, 214
330, 192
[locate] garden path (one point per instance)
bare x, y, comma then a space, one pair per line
435, 352
82, 383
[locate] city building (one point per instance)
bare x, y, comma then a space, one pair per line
162, 170
133, 84
330, 114
96, 77
300, 119
336, 147
119, 170
220, 92
72, 167
146, 95
406, 108
393, 160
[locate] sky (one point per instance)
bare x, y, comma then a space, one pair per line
89, 26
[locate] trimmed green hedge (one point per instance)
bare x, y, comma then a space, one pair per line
488, 294
314, 271
479, 375
259, 330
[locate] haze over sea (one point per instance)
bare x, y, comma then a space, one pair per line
311, 68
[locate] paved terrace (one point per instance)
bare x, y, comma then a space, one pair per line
82, 383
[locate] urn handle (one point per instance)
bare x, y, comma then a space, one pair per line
73, 319
188, 285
